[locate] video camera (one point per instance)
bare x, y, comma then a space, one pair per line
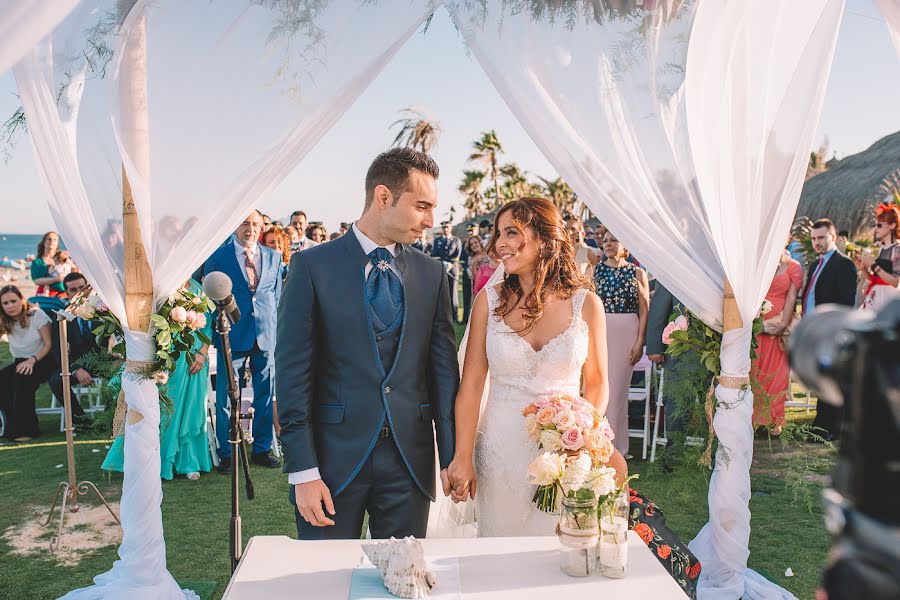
852, 359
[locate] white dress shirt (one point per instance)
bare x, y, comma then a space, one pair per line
254, 256
367, 246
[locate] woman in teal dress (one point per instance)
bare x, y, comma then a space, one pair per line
183, 443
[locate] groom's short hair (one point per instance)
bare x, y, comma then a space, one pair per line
392, 169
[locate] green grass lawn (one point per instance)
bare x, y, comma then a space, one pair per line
786, 533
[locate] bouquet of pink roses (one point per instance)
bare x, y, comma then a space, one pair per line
576, 443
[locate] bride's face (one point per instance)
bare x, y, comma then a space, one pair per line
517, 252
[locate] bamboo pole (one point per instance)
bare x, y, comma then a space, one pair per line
135, 130
731, 316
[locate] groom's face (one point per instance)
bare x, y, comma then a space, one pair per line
413, 212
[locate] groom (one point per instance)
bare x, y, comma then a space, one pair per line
366, 366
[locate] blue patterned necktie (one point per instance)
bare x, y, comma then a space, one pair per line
384, 292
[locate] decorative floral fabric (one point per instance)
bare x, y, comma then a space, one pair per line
648, 522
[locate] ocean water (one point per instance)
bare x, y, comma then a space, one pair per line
17, 245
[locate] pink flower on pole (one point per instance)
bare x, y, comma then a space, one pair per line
198, 321
667, 333
178, 314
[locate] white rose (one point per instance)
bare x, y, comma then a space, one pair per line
766, 308
533, 427
565, 420
546, 468
550, 440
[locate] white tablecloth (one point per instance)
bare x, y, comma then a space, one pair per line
516, 568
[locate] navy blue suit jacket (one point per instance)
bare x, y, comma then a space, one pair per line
259, 309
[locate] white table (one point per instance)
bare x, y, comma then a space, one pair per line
520, 568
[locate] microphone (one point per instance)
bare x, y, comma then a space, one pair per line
217, 286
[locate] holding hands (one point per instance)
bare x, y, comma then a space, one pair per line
462, 479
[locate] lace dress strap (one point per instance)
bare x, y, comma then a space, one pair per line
493, 299
578, 303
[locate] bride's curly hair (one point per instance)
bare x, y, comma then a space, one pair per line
556, 273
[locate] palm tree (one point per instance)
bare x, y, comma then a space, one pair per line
515, 184
416, 130
471, 187
486, 150
565, 199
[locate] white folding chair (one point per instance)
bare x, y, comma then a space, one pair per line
211, 439
659, 440
642, 394
81, 394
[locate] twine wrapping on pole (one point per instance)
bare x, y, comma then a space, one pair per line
726, 381
137, 367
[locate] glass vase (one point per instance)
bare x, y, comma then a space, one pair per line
613, 547
578, 535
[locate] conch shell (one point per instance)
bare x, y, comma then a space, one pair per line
402, 565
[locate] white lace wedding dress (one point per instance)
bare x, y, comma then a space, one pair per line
503, 450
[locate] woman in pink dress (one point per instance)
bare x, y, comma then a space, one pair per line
771, 370
481, 265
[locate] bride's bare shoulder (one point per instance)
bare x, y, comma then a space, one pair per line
593, 307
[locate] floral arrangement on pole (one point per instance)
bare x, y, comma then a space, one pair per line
577, 445
176, 326
687, 333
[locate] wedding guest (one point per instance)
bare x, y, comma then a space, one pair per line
485, 229
334, 236
590, 239
345, 227
626, 296
677, 368
183, 446
843, 238
771, 370
295, 238
887, 230
48, 284
318, 234
255, 272
267, 223
421, 245
465, 280
481, 264
27, 329
881, 274
81, 342
300, 223
447, 250
586, 258
831, 279
279, 240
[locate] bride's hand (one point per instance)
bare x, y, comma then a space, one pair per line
462, 478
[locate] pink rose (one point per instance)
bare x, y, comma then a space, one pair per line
546, 415
572, 439
604, 428
681, 323
584, 419
565, 420
198, 321
562, 404
161, 377
667, 333
543, 401
178, 314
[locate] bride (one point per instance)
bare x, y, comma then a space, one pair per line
538, 331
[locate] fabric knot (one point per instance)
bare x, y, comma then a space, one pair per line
381, 258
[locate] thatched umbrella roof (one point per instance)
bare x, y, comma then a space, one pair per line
846, 192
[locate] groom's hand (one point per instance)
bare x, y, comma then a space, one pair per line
462, 477
310, 498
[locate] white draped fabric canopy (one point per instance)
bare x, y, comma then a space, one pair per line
684, 125
891, 11
23, 23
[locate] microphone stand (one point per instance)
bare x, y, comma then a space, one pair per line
236, 439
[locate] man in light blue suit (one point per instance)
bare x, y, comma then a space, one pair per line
255, 273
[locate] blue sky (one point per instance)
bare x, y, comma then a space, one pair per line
434, 73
